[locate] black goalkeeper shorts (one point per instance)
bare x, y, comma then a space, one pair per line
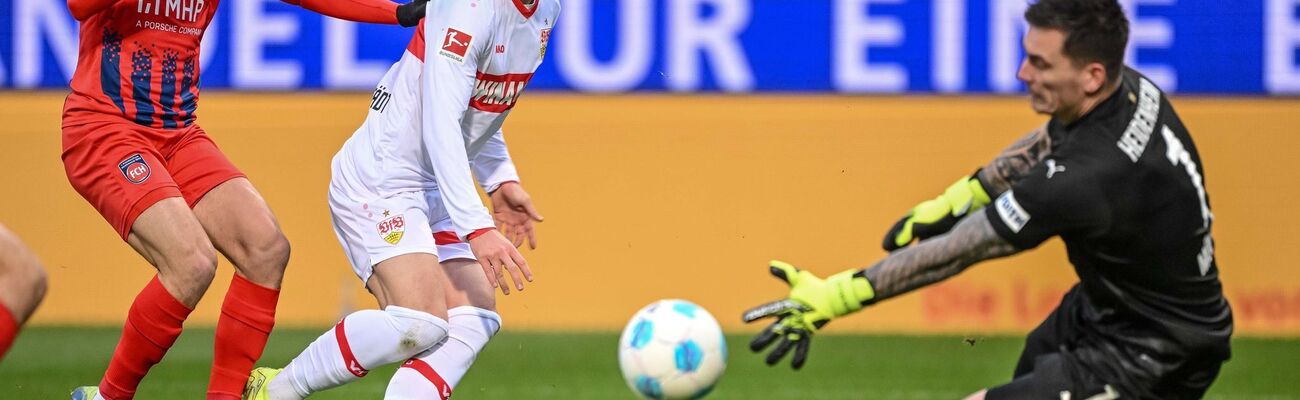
1065, 360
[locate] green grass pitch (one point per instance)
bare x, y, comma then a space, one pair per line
47, 362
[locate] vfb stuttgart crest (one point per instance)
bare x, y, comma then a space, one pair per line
392, 228
546, 37
134, 169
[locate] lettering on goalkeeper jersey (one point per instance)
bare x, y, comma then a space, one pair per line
497, 93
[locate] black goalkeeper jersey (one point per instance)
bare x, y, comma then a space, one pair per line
1125, 189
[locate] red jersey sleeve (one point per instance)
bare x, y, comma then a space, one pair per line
84, 9
369, 11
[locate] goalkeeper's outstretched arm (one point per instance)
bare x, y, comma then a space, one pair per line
971, 193
971, 241
813, 302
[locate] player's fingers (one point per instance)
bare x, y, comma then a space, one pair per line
784, 271
936, 228
524, 269
501, 275
764, 338
513, 269
488, 270
769, 309
898, 235
516, 237
532, 235
532, 212
801, 352
777, 353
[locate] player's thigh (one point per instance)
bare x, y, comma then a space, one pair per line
413, 281
1051, 334
22, 280
1055, 376
467, 284
118, 168
241, 226
389, 234
170, 237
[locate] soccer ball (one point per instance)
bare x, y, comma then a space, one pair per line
672, 349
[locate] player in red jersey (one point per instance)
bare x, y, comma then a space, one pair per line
132, 149
22, 286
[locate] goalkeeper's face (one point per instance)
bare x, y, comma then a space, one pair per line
1056, 85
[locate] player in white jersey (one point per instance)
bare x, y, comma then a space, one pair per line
407, 212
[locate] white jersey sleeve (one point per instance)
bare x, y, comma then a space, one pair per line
457, 38
493, 166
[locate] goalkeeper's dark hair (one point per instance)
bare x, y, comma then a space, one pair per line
1095, 30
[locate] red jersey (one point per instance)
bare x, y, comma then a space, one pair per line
139, 60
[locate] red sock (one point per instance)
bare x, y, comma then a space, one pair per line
246, 320
152, 325
8, 330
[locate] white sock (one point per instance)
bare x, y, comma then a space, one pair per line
373, 337
435, 373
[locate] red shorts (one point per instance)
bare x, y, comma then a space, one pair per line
122, 168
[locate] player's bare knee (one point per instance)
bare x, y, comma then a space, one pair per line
482, 297
265, 260
977, 395
191, 269
36, 278
468, 286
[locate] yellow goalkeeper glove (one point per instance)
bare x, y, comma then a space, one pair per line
936, 216
812, 303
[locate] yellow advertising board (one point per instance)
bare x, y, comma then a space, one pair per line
650, 197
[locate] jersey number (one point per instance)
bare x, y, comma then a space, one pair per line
1177, 154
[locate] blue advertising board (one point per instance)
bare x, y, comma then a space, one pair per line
1249, 47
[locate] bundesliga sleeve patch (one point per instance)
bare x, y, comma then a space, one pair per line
1013, 215
134, 169
455, 45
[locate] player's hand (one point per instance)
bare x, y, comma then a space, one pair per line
938, 215
812, 304
409, 14
514, 213
497, 256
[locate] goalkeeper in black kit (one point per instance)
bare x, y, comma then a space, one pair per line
1115, 174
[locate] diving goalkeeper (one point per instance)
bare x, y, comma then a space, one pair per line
1115, 174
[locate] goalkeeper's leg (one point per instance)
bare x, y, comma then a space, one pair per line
472, 314
413, 319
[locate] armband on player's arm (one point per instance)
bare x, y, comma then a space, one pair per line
84, 9
938, 215
369, 11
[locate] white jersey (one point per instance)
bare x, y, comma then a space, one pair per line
443, 103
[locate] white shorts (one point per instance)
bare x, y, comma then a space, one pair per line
376, 229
